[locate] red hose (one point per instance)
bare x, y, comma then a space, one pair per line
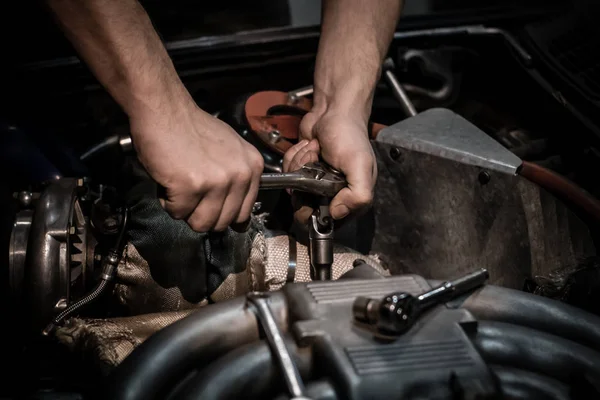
562, 187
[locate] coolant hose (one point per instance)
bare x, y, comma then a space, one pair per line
250, 372
518, 383
494, 303
167, 356
562, 187
535, 351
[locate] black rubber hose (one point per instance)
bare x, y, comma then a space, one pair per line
520, 384
155, 366
495, 303
535, 351
249, 372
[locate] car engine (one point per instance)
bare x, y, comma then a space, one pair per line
474, 275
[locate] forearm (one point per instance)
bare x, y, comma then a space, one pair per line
117, 41
355, 37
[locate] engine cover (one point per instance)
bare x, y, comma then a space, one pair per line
434, 359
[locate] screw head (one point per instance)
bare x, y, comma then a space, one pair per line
274, 136
395, 153
25, 198
484, 177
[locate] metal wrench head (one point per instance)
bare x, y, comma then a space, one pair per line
321, 179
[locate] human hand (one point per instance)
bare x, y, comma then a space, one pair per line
211, 176
343, 142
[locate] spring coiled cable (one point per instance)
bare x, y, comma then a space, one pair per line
109, 268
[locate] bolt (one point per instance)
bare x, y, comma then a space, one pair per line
60, 305
257, 206
395, 153
110, 223
484, 177
274, 136
98, 257
25, 198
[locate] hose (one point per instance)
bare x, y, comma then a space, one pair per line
249, 372
493, 303
110, 263
197, 340
535, 351
562, 187
521, 384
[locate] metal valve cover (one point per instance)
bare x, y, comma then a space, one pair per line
435, 358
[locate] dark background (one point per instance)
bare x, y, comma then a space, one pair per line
27, 33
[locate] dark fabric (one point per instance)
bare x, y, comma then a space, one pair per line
196, 263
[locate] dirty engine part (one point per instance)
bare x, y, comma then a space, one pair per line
489, 343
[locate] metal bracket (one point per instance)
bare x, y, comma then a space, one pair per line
292, 377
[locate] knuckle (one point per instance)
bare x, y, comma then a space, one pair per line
194, 183
243, 175
199, 225
176, 213
219, 179
363, 198
257, 163
221, 227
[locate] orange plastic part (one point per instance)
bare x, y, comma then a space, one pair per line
274, 117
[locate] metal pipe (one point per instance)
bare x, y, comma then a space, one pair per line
400, 94
275, 339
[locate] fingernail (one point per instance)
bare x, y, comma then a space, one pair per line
303, 143
340, 211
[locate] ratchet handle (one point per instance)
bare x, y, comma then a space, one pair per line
295, 181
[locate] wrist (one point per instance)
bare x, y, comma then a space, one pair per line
348, 94
147, 103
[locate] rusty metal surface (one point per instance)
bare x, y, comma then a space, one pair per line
440, 218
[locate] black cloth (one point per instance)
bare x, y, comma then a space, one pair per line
196, 263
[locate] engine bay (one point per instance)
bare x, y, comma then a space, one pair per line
483, 234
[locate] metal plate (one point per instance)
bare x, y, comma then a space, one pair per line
441, 132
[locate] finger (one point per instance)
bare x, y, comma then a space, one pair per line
302, 211
360, 174
306, 126
181, 206
205, 215
291, 152
309, 153
232, 205
257, 166
249, 200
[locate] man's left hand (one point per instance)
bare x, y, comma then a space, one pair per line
343, 142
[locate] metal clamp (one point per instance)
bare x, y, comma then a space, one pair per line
292, 377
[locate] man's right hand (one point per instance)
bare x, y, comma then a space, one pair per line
211, 175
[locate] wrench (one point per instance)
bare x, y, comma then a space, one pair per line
276, 342
315, 178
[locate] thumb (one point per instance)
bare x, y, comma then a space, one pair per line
359, 193
306, 126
